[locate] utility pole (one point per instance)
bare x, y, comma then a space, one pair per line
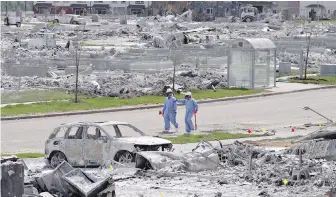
174, 62
77, 62
306, 66
216, 9
318, 11
125, 11
25, 6
6, 7
76, 45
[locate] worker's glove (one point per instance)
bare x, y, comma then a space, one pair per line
160, 113
195, 111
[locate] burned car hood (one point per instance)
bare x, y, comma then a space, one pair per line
144, 140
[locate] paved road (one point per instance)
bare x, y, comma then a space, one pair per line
268, 112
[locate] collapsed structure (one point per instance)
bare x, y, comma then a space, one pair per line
234, 164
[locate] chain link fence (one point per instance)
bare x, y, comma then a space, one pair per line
34, 79
34, 95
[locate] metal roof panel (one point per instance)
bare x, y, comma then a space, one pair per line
261, 43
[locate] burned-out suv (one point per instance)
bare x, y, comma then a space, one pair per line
93, 143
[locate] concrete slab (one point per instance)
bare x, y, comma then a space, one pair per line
86, 186
53, 181
286, 87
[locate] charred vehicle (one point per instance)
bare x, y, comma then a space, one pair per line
92, 143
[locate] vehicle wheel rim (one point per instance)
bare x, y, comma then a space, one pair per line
57, 159
125, 158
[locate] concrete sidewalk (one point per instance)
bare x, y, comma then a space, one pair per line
289, 87
282, 88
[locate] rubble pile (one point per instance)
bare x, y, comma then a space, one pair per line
271, 168
43, 53
314, 59
65, 181
319, 144
234, 169
241, 164
123, 83
316, 149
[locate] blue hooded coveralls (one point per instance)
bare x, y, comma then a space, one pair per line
169, 112
191, 105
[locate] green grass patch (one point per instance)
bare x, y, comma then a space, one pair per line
53, 24
25, 155
327, 21
34, 95
184, 139
108, 102
96, 45
296, 72
321, 80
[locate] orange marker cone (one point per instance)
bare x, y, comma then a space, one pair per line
249, 131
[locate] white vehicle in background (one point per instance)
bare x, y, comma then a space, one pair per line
12, 20
68, 19
249, 13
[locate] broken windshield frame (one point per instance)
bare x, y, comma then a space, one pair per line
57, 130
107, 129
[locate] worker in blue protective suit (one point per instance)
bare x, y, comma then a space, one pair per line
191, 109
169, 111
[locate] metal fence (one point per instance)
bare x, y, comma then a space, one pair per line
33, 95
141, 60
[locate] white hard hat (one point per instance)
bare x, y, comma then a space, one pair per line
169, 90
188, 94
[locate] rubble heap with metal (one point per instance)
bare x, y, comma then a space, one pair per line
255, 171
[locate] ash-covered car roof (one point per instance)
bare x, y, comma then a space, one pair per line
97, 123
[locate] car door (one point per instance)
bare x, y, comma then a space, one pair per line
73, 145
94, 142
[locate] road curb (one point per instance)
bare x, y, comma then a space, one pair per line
156, 105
